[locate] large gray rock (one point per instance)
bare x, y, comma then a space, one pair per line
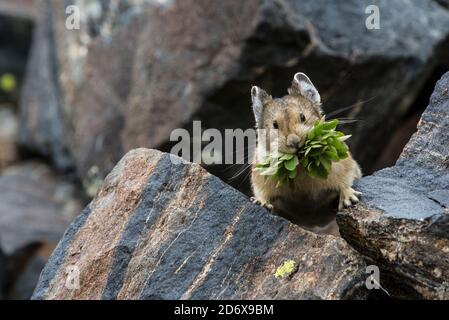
136, 70
157, 230
403, 221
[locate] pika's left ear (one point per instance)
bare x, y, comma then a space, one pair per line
302, 85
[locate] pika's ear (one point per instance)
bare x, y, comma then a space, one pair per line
259, 97
303, 86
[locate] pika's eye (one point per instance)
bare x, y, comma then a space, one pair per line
303, 117
275, 125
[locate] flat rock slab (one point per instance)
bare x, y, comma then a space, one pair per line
159, 230
403, 220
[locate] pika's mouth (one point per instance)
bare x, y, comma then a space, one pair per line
292, 149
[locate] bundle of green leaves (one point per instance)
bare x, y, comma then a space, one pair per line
323, 146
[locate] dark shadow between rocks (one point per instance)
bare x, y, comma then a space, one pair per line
408, 125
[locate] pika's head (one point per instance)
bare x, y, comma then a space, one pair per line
289, 119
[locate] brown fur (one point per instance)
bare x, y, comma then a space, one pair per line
287, 114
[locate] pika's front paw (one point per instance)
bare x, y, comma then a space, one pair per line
267, 206
348, 197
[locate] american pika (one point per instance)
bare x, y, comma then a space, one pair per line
290, 119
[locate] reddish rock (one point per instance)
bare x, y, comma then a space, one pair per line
157, 230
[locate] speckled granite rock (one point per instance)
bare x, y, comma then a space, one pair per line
403, 221
136, 70
157, 230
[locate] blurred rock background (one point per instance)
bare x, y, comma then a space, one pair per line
73, 102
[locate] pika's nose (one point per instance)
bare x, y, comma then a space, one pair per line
293, 141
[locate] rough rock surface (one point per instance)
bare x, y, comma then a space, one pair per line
158, 230
403, 221
35, 209
138, 69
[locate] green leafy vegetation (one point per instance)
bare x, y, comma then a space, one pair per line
323, 146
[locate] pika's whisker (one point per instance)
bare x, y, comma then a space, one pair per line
352, 106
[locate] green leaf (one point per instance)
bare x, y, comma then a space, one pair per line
344, 138
326, 164
319, 172
291, 164
293, 174
307, 152
286, 157
269, 171
332, 154
330, 125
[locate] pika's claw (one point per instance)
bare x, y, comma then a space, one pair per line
267, 206
348, 197
354, 199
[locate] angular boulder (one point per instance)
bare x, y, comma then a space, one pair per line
402, 223
137, 70
159, 230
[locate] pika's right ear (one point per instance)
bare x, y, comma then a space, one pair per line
259, 97
303, 86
